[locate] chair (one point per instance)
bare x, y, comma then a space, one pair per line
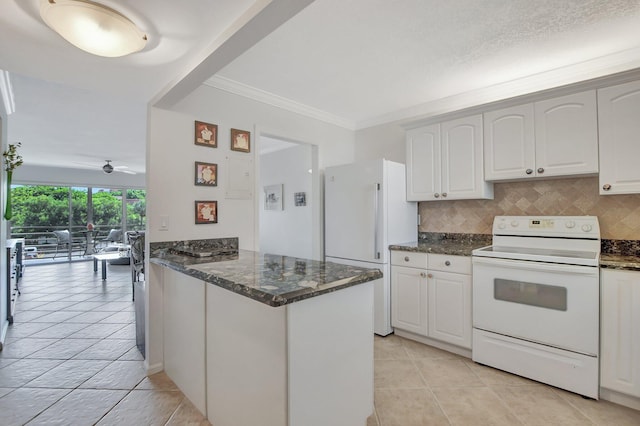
63, 241
115, 236
136, 252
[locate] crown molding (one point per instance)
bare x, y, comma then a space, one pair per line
277, 101
603, 71
6, 91
616, 68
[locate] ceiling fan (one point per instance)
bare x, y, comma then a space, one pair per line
108, 168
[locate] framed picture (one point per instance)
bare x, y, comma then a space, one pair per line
206, 134
240, 140
273, 197
206, 174
206, 212
300, 198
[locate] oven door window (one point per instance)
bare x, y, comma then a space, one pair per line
540, 295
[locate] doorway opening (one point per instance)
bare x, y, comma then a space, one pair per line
289, 201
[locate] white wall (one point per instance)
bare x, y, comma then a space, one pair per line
383, 141
171, 192
287, 231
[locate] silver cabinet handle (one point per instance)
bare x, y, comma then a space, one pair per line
444, 195
540, 170
436, 195
606, 186
447, 263
529, 171
406, 258
423, 275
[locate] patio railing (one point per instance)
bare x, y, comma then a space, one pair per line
41, 243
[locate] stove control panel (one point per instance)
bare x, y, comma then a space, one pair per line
547, 226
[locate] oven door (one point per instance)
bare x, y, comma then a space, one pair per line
552, 304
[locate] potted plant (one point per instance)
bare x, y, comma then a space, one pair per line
11, 161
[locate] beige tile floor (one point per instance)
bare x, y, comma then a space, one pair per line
70, 359
418, 385
70, 356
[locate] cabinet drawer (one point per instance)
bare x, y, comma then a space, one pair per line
447, 263
409, 258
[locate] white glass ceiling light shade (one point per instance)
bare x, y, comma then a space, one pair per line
92, 27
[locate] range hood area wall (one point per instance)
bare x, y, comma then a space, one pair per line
619, 215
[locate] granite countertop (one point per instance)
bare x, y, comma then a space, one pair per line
619, 261
452, 244
616, 254
271, 279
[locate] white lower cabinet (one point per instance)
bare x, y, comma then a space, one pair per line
431, 296
620, 336
409, 299
450, 307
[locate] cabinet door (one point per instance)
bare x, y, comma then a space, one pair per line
566, 134
619, 127
423, 163
509, 144
462, 166
620, 340
450, 308
409, 299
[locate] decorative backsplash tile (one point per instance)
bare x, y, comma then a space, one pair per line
619, 215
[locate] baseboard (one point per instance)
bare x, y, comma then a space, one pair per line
620, 398
153, 369
435, 343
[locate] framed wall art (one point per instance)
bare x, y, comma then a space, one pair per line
240, 140
206, 134
273, 197
206, 212
300, 198
206, 174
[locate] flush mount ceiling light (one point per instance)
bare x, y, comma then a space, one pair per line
93, 27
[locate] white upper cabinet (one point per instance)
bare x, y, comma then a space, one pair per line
509, 145
423, 162
619, 127
555, 137
566, 130
444, 161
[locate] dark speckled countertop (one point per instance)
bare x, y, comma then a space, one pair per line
440, 243
619, 261
271, 279
616, 254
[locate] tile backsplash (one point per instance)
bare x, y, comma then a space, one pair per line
619, 215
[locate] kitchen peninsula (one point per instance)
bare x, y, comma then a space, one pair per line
255, 338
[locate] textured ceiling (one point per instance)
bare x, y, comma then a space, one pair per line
364, 59
355, 62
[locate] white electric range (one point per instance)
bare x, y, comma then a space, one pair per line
536, 300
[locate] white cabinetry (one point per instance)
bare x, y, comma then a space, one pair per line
444, 161
620, 340
431, 296
449, 283
509, 145
619, 127
409, 292
554, 137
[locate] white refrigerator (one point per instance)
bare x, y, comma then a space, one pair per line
366, 210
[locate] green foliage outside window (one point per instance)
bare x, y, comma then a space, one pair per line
35, 207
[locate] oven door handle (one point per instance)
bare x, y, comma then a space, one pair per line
535, 266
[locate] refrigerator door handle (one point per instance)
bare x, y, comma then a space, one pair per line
376, 205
